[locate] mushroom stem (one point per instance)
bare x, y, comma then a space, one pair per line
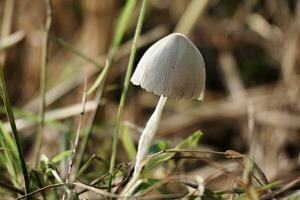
144, 145
148, 134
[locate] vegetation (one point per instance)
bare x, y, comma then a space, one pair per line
71, 119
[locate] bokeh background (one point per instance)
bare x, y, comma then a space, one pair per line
251, 51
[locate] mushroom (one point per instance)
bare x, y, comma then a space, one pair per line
172, 67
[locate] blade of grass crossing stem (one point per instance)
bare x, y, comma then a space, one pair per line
125, 89
11, 119
118, 36
43, 81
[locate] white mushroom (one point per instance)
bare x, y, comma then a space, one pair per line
172, 67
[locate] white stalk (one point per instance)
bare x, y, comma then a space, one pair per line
147, 135
144, 145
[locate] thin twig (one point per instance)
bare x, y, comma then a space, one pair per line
96, 190
78, 131
228, 154
42, 189
295, 184
74, 151
43, 81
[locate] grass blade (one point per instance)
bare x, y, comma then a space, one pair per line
125, 89
190, 142
9, 151
76, 52
128, 142
11, 119
120, 30
43, 81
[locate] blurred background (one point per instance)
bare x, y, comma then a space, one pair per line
251, 51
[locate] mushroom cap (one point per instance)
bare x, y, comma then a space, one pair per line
172, 67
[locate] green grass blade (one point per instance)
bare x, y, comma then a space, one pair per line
190, 142
119, 33
125, 89
128, 142
123, 22
99, 80
9, 140
9, 151
75, 51
11, 119
56, 159
43, 82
